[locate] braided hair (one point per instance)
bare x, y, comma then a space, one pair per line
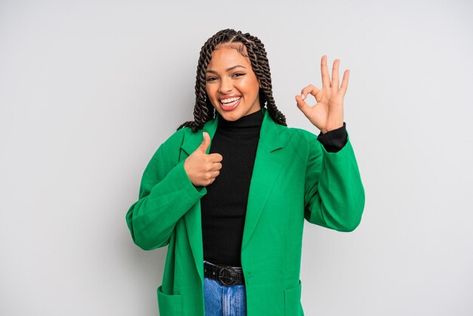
203, 109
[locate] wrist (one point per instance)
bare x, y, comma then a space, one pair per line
331, 127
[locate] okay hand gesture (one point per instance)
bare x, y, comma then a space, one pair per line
327, 113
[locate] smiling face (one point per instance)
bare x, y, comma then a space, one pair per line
231, 84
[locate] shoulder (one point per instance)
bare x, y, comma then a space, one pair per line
170, 147
301, 135
176, 138
303, 142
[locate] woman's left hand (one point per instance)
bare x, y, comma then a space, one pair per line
327, 113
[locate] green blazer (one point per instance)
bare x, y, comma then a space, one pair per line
293, 178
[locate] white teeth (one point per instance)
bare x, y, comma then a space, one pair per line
230, 100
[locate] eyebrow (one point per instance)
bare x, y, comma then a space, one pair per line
228, 69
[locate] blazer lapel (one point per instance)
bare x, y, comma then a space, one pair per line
267, 168
193, 218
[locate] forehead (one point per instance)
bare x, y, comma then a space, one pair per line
228, 55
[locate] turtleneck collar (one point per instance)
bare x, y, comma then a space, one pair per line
251, 120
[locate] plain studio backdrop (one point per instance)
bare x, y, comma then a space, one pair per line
89, 90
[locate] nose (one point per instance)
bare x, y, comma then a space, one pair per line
226, 86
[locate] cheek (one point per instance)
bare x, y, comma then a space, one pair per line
212, 95
210, 91
250, 85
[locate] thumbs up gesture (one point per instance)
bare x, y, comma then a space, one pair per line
203, 168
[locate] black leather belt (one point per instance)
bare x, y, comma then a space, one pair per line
226, 275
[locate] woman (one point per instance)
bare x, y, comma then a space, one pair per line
228, 192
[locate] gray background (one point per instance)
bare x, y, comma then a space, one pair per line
89, 90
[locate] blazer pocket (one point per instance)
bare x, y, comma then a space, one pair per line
292, 300
169, 304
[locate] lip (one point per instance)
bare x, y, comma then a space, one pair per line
229, 108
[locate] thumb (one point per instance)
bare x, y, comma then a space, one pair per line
301, 104
205, 142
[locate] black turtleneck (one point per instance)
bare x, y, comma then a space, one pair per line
224, 205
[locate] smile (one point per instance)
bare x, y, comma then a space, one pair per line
230, 103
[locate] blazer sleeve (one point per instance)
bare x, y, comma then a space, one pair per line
165, 195
334, 193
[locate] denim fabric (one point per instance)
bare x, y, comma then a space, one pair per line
222, 300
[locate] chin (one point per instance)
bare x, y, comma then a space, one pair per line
238, 112
230, 116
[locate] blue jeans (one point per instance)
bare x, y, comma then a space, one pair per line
222, 300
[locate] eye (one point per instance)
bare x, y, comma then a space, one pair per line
208, 79
238, 74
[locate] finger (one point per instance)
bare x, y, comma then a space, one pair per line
211, 177
313, 90
217, 166
325, 74
305, 91
215, 157
335, 70
302, 105
346, 76
205, 142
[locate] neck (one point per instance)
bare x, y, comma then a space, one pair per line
251, 120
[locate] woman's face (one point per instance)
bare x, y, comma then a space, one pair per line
231, 83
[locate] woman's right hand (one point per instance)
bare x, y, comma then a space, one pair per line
202, 168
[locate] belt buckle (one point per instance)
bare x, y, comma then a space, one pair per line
226, 276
